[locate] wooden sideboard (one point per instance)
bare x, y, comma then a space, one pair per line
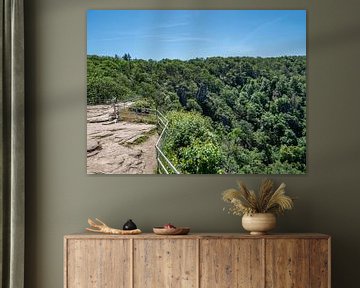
197, 260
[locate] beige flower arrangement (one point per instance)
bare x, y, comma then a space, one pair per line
246, 202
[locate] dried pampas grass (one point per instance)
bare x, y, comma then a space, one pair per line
245, 201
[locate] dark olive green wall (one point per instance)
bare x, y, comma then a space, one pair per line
60, 196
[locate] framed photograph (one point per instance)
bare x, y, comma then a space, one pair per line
196, 92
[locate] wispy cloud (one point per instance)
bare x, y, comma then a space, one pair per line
261, 27
172, 25
185, 39
127, 36
162, 37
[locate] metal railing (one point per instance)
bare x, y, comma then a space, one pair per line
164, 164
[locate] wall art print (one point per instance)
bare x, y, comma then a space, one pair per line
196, 92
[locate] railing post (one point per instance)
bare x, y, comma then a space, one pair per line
163, 123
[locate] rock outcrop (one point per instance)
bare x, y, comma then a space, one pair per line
119, 147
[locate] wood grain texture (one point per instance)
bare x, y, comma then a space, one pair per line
231, 263
88, 235
287, 263
98, 264
197, 260
319, 263
166, 263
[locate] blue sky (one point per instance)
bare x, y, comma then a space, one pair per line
186, 34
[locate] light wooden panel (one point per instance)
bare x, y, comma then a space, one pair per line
319, 263
98, 264
166, 263
231, 263
197, 260
287, 263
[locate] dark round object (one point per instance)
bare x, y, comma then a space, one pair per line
129, 225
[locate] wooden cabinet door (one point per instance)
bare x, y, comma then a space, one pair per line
98, 263
297, 263
231, 263
287, 263
320, 263
165, 263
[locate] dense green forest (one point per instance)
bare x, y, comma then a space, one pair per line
226, 115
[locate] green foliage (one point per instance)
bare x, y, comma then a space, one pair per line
185, 128
191, 143
227, 115
200, 158
142, 104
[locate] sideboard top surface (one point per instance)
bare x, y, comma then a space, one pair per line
87, 235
